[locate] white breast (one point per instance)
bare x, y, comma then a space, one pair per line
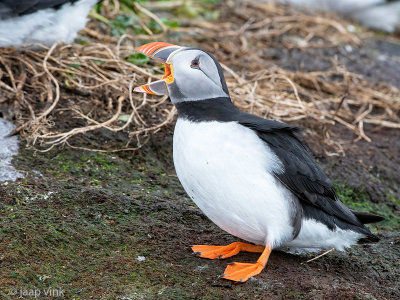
226, 170
46, 26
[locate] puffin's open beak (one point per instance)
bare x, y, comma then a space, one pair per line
159, 51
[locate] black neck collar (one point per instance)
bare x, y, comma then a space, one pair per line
215, 109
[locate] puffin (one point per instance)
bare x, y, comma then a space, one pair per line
253, 177
45, 22
381, 15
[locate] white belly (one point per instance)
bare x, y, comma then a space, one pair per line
226, 170
314, 236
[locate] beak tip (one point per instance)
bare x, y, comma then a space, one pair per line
138, 89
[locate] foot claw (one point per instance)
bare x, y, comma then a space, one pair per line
196, 253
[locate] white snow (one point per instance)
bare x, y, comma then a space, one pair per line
8, 148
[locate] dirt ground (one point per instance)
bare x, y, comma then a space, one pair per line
104, 226
119, 225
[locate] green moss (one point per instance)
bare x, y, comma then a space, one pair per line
358, 201
138, 59
78, 234
82, 224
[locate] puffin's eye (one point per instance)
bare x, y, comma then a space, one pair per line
195, 64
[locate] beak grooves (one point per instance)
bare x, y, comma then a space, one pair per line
154, 88
159, 51
150, 48
144, 89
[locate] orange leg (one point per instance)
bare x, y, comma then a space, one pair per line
220, 252
240, 272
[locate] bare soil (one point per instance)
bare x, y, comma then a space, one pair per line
81, 220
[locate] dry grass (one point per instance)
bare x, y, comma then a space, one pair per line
67, 90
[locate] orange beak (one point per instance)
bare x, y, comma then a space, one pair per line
159, 51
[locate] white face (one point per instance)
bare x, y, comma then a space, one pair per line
196, 77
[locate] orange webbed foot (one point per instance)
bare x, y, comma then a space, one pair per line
221, 252
241, 272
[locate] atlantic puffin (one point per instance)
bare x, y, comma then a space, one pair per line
24, 22
377, 14
252, 177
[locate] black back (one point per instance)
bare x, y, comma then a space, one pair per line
302, 176
16, 8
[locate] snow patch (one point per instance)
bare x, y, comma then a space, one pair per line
8, 148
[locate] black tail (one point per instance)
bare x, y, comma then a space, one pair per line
367, 218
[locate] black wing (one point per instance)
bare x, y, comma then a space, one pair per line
301, 174
15, 8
